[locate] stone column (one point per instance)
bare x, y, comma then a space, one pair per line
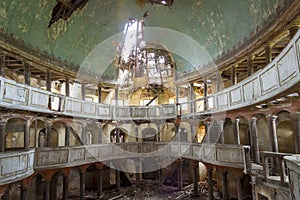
118, 181
67, 86
195, 178
65, 186
26, 135
236, 131
26, 74
47, 189
273, 132
193, 132
224, 184
254, 140
210, 182
268, 52
83, 90
24, 191
159, 172
250, 65
82, 183
99, 93
53, 190
67, 134
221, 125
117, 135
48, 81
99, 182
239, 188
179, 172
2, 135
137, 173
233, 75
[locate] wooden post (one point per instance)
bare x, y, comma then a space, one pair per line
26, 135
268, 52
236, 131
2, 66
179, 170
233, 75
83, 90
100, 183
27, 74
65, 187
67, 85
296, 118
250, 65
195, 178
224, 184
48, 81
210, 182
2, 135
99, 93
67, 134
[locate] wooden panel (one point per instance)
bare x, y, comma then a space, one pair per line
39, 99
287, 66
235, 96
232, 155
73, 106
89, 108
222, 100
269, 80
48, 157
168, 110
209, 153
104, 110
77, 154
15, 93
251, 90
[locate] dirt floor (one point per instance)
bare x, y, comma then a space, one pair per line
149, 190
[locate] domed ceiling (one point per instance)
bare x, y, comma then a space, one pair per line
196, 31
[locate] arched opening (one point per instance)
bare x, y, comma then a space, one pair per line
114, 133
15, 133
149, 135
244, 131
183, 134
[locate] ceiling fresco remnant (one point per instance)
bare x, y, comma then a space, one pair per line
216, 25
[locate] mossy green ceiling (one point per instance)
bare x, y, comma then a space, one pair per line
216, 25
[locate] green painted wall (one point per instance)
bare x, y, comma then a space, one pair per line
216, 25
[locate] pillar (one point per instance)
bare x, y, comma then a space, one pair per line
219, 78
254, 140
250, 65
67, 86
24, 191
137, 172
83, 90
26, 135
159, 172
195, 178
221, 125
2, 135
2, 66
136, 129
177, 94
205, 95
82, 184
99, 182
273, 132
47, 189
224, 184
268, 52
99, 126
236, 131
118, 181
26, 74
67, 134
210, 182
116, 96
233, 75
99, 93
179, 172
192, 97
65, 186
239, 188
193, 132
53, 190
83, 134
48, 81
296, 118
